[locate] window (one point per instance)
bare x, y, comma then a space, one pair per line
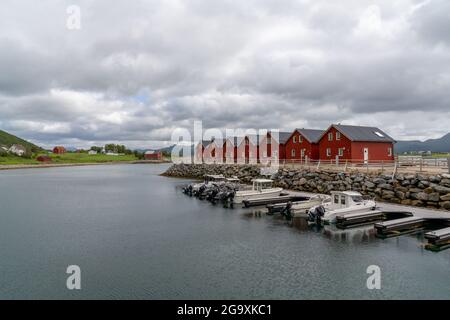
341, 152
357, 199
303, 153
328, 152
343, 200
330, 136
338, 135
336, 198
293, 153
390, 152
294, 139
300, 139
379, 134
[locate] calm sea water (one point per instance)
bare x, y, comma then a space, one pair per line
135, 235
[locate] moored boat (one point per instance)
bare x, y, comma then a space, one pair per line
342, 202
261, 188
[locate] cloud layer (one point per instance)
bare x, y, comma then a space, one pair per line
136, 70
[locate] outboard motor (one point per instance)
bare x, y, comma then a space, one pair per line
286, 211
316, 214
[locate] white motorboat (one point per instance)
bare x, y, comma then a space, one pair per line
299, 208
342, 202
261, 188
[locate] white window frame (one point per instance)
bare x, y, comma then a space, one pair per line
328, 152
300, 139
330, 136
338, 135
341, 152
294, 139
390, 151
302, 153
293, 153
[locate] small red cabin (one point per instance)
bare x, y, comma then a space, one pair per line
356, 144
276, 145
59, 150
303, 145
153, 155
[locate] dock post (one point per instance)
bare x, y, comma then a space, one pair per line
318, 165
420, 165
382, 166
395, 170
346, 163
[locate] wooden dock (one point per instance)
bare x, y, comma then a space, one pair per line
438, 240
352, 220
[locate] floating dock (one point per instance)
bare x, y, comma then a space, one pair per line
398, 227
351, 220
438, 240
273, 200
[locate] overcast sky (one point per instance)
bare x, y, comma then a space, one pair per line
138, 69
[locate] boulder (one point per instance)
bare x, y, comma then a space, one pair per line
434, 197
445, 205
369, 184
445, 197
386, 186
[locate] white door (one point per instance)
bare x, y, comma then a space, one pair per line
366, 155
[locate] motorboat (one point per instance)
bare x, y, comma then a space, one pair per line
341, 202
209, 179
300, 208
261, 188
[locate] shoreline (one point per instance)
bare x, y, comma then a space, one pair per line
58, 165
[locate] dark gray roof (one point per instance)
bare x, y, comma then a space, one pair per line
284, 136
312, 135
358, 133
206, 143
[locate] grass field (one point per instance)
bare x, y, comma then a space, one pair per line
68, 158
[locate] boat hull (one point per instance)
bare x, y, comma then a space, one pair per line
252, 194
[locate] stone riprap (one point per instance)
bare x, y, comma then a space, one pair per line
431, 191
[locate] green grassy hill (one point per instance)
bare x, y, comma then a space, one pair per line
9, 139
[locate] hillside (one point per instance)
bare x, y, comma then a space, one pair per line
433, 145
9, 139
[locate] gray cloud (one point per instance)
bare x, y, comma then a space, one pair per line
137, 70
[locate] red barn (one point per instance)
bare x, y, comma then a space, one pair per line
59, 150
200, 149
303, 144
356, 144
153, 155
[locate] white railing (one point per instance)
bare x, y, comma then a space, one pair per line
398, 165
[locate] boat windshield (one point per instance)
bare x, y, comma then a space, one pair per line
357, 199
262, 185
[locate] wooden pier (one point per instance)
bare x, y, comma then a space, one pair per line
368, 217
398, 227
438, 240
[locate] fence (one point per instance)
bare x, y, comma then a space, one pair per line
400, 164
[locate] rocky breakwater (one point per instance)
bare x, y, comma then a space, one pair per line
409, 189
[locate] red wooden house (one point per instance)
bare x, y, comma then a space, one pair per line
152, 155
59, 150
273, 145
303, 145
230, 150
213, 152
356, 144
248, 149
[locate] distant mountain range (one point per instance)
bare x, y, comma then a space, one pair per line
7, 139
433, 145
